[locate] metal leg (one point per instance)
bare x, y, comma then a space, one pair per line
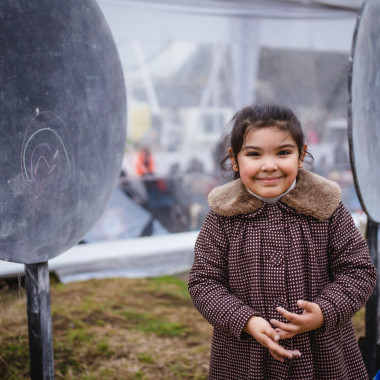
371, 327
39, 321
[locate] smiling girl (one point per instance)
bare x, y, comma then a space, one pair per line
279, 266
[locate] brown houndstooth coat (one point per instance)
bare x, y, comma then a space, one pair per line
252, 257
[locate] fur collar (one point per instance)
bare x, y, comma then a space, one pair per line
313, 195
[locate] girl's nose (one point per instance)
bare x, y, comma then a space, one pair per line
269, 165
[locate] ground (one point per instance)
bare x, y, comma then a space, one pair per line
113, 329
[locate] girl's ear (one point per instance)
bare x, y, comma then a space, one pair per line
233, 160
302, 157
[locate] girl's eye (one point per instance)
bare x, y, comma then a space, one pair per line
284, 152
253, 154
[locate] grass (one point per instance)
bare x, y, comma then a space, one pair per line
113, 329
110, 329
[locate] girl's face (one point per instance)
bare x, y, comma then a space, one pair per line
268, 161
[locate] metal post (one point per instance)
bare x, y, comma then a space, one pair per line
39, 321
371, 326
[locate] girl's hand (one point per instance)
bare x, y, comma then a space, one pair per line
267, 336
311, 319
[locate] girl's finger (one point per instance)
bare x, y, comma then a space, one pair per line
274, 322
291, 317
278, 350
296, 354
290, 327
305, 305
280, 353
285, 334
271, 333
275, 336
276, 356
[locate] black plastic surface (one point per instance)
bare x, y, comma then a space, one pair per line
62, 121
364, 108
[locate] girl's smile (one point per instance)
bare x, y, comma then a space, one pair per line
268, 162
269, 180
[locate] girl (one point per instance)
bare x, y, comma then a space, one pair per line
279, 267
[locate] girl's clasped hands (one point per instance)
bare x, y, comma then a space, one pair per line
269, 337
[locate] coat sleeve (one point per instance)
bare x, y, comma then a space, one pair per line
208, 281
353, 275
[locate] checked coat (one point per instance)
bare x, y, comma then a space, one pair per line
251, 257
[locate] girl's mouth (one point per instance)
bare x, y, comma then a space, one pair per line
269, 180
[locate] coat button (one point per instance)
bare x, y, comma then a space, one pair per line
277, 260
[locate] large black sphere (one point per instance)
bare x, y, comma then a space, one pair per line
63, 123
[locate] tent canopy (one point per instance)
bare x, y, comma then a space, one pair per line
255, 8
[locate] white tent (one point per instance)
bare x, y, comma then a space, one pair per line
189, 65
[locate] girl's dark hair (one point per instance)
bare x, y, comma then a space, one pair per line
261, 115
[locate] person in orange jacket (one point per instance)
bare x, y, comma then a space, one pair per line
144, 163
